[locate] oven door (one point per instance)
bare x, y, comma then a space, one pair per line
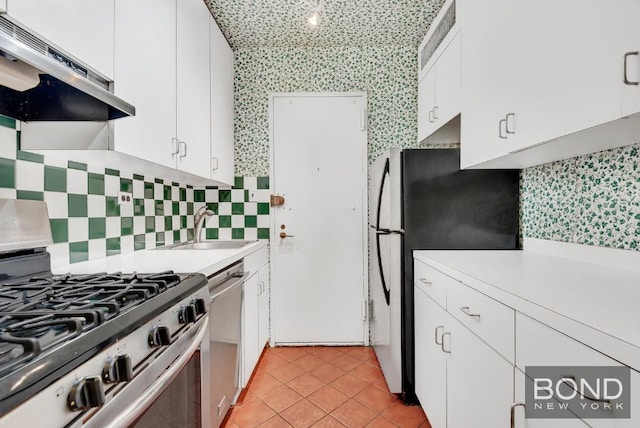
166, 393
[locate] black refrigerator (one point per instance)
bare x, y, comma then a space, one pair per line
419, 199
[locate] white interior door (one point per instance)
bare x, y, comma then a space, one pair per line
318, 165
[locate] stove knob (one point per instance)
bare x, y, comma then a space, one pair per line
117, 370
159, 336
187, 314
201, 307
85, 394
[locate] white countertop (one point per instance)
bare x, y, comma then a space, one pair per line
206, 262
598, 305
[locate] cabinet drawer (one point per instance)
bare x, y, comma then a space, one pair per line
540, 345
492, 321
254, 261
431, 281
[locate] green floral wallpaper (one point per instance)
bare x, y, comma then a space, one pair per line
387, 73
592, 199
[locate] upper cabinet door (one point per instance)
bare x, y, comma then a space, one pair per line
630, 56
193, 87
447, 104
146, 77
83, 28
568, 76
3, 5
486, 73
222, 107
426, 104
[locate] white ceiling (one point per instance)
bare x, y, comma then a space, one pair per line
282, 23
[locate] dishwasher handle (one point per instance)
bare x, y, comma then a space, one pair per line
235, 280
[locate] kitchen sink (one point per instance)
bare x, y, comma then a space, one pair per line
208, 245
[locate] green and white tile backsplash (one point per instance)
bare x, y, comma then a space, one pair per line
87, 222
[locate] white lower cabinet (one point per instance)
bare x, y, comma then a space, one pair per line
431, 361
540, 345
460, 380
255, 317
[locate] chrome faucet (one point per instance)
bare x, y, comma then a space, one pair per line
198, 220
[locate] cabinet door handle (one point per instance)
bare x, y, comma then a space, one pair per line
502, 122
260, 287
436, 338
506, 123
442, 344
435, 112
424, 281
431, 116
183, 144
176, 146
512, 413
214, 163
465, 309
626, 58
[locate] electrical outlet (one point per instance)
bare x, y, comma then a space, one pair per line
125, 199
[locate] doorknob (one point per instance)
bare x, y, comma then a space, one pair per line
284, 235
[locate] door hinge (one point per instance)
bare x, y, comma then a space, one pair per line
363, 119
367, 309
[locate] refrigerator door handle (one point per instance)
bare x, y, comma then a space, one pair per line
381, 231
385, 289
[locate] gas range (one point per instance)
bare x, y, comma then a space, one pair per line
76, 350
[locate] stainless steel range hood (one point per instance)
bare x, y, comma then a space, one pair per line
63, 89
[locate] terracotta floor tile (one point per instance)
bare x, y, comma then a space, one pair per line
286, 372
375, 399
327, 398
349, 384
327, 353
353, 414
362, 353
328, 372
381, 384
305, 384
263, 383
346, 362
381, 422
302, 414
289, 353
328, 422
271, 361
281, 398
354, 397
368, 372
405, 416
252, 414
308, 362
275, 422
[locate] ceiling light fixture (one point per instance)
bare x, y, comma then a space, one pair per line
314, 17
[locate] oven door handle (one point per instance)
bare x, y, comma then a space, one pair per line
238, 279
140, 406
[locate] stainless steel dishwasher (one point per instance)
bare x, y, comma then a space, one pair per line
225, 289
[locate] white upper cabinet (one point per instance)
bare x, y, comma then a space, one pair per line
180, 78
193, 87
145, 76
568, 76
3, 6
539, 84
426, 104
486, 78
222, 105
439, 73
82, 28
630, 57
